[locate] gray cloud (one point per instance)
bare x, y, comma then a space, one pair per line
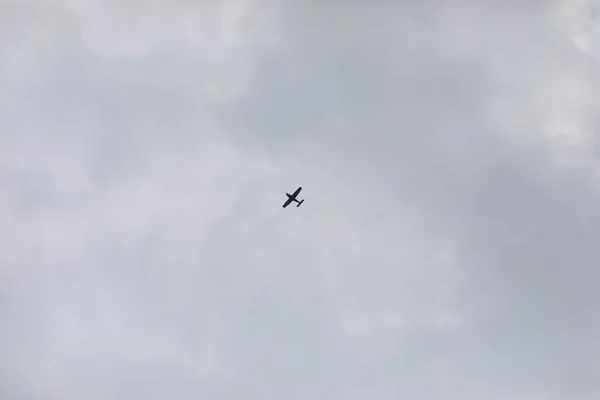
446, 248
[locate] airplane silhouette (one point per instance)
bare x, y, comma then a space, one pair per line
292, 197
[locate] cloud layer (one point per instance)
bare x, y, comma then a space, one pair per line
446, 247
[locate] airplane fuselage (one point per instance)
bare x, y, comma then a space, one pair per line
291, 197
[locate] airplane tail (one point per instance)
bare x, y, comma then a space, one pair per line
300, 202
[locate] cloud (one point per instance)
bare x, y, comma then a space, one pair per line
446, 247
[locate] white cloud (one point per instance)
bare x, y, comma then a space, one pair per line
446, 247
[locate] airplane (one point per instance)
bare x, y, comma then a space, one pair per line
292, 197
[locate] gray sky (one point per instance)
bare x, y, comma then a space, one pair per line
448, 244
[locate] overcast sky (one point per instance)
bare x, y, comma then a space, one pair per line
448, 247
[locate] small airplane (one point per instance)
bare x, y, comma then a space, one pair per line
292, 197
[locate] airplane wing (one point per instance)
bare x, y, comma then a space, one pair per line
287, 203
297, 191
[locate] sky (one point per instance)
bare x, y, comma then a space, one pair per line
447, 247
